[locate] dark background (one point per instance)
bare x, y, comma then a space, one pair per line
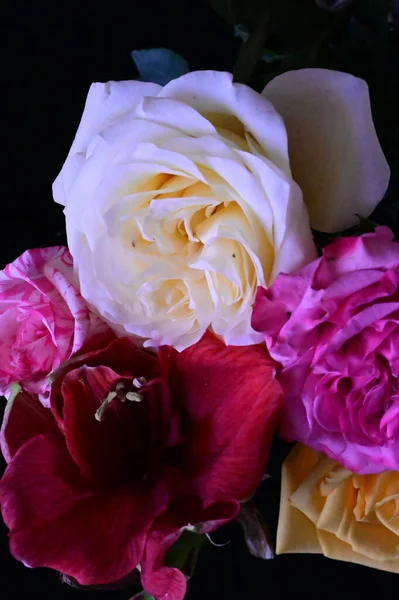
53, 53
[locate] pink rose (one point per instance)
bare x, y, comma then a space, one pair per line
333, 327
43, 318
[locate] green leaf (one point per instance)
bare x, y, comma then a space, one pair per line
14, 391
251, 52
184, 553
159, 65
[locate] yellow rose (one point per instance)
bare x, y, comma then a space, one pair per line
327, 509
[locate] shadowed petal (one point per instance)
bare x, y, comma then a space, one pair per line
97, 447
24, 418
127, 438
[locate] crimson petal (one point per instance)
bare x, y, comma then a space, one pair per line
24, 417
97, 447
40, 483
232, 399
94, 538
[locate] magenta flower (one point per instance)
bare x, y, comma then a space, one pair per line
334, 328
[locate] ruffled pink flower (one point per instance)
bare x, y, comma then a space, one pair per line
43, 319
333, 327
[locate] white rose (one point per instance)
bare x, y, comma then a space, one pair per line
179, 202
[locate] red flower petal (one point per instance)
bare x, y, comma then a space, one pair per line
95, 538
24, 417
97, 447
162, 582
41, 482
232, 400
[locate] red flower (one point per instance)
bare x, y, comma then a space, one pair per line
182, 439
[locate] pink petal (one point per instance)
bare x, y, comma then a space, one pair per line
43, 318
162, 582
366, 252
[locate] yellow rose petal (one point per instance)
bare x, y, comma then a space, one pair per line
327, 509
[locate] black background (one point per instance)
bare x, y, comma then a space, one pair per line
52, 54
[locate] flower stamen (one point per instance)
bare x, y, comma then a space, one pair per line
133, 397
122, 395
99, 414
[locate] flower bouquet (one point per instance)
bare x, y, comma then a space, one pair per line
222, 284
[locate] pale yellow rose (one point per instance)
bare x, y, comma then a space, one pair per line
180, 201
326, 509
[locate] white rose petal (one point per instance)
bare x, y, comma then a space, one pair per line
105, 103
